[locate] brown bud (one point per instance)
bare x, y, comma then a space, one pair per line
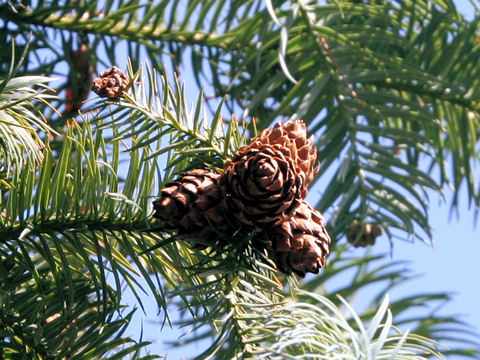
362, 235
79, 79
111, 83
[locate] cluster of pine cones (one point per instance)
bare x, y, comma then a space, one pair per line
263, 188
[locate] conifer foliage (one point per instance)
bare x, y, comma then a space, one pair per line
154, 189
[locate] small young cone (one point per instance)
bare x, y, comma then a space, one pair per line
363, 235
300, 244
191, 202
265, 180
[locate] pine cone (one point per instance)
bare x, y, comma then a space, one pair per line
191, 202
292, 136
362, 235
260, 185
111, 84
300, 244
265, 180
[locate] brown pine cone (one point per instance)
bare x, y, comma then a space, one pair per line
292, 136
265, 180
111, 83
300, 244
191, 202
261, 185
362, 235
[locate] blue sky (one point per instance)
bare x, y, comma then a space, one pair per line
450, 265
